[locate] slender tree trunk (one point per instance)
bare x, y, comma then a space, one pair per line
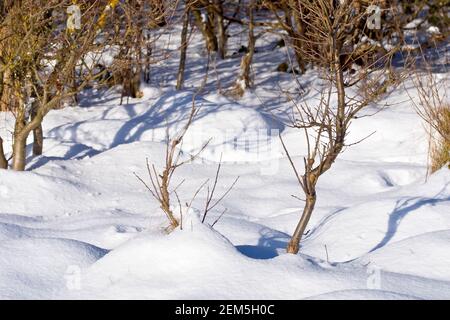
38, 136
251, 46
20, 140
3, 161
221, 34
132, 76
73, 85
244, 81
165, 195
1, 85
183, 50
38, 141
148, 57
296, 25
294, 244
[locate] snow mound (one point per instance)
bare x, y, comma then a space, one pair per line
236, 131
362, 295
375, 224
425, 255
199, 263
53, 260
57, 193
191, 257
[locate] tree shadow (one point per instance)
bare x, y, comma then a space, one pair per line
167, 111
268, 245
76, 152
402, 209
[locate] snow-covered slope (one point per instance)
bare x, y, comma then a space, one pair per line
78, 224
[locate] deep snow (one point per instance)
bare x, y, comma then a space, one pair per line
78, 224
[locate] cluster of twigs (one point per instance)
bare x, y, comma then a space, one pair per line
160, 190
433, 106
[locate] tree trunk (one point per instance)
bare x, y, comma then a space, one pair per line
20, 141
3, 161
183, 50
244, 80
19, 153
73, 86
148, 57
206, 29
221, 34
296, 35
294, 244
251, 48
131, 87
38, 141
1, 85
38, 136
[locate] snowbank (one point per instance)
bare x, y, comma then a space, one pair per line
41, 268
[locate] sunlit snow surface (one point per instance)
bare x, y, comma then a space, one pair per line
78, 224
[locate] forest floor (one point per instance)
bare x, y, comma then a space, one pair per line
79, 224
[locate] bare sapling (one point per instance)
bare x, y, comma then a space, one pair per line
160, 181
327, 37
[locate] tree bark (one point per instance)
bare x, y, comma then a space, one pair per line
183, 50
3, 161
38, 141
251, 47
244, 80
206, 29
296, 25
38, 136
148, 57
20, 141
221, 34
294, 244
19, 151
132, 84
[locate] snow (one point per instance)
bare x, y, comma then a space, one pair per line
51, 258
78, 224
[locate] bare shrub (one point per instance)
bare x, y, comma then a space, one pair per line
328, 34
440, 146
433, 107
160, 186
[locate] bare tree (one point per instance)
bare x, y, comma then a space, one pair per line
327, 37
32, 36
